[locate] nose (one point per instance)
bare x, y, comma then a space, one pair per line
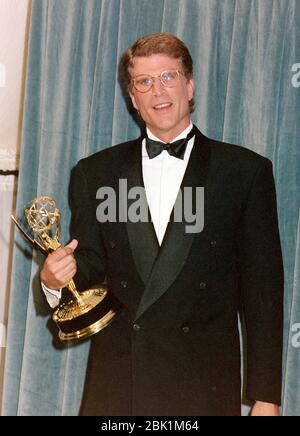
157, 87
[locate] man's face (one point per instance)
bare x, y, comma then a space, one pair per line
165, 110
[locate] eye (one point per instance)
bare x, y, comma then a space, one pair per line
168, 76
144, 81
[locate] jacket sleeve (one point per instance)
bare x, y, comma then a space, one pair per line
261, 281
90, 253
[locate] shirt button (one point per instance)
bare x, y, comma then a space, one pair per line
124, 284
136, 327
213, 243
202, 286
185, 329
112, 244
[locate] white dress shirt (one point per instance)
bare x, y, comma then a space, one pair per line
162, 176
162, 179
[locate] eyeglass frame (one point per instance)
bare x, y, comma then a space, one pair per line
132, 81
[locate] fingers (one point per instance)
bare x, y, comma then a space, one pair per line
60, 267
64, 276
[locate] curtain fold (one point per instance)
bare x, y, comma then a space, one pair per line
243, 51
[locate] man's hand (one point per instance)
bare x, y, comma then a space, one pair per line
60, 267
265, 409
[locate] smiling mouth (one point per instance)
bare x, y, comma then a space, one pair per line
162, 106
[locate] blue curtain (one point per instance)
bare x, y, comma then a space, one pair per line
247, 92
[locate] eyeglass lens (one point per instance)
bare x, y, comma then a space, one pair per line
144, 82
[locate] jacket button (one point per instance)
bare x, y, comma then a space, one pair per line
112, 244
124, 284
185, 329
202, 285
213, 243
136, 327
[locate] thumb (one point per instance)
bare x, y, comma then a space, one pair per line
71, 247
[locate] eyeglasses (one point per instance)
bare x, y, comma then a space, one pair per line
144, 82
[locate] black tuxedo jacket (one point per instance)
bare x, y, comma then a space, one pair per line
174, 349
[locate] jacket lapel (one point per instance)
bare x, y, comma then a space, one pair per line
170, 259
141, 235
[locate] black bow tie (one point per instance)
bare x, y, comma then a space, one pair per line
176, 148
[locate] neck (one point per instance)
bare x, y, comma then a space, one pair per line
169, 136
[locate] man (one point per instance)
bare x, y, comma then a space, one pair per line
174, 348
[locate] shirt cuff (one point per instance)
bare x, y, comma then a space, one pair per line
53, 296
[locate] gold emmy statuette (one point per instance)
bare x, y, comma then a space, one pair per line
87, 312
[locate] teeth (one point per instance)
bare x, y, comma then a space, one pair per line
162, 106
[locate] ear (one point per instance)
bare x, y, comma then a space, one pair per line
133, 101
191, 88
